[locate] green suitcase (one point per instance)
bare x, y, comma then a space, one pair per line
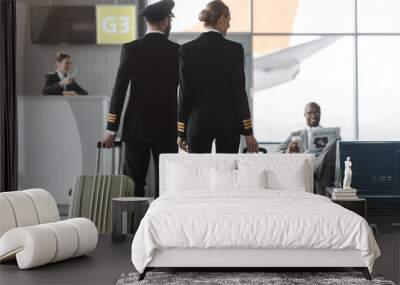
92, 194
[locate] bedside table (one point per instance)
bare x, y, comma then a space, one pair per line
357, 205
121, 206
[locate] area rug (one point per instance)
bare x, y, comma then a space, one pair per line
253, 278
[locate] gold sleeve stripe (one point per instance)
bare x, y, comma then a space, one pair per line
181, 127
248, 127
112, 115
111, 121
247, 120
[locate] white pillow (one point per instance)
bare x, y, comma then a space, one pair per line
283, 173
251, 178
223, 179
183, 178
185, 174
227, 179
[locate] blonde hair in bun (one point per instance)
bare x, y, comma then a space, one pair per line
204, 15
213, 11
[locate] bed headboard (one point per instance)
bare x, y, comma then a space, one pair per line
276, 161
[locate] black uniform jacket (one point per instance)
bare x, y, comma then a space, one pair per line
151, 65
52, 86
212, 94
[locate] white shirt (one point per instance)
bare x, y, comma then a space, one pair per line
209, 29
154, 32
62, 77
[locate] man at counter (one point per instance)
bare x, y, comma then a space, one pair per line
60, 82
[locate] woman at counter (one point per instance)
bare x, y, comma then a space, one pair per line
61, 82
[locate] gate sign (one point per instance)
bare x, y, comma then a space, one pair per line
116, 24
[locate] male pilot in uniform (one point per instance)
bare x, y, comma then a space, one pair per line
151, 65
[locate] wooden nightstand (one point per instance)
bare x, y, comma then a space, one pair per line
357, 205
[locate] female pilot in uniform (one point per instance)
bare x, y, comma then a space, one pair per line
58, 82
213, 103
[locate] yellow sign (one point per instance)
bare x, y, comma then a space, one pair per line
116, 24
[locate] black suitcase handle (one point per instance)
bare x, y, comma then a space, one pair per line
116, 144
121, 157
260, 149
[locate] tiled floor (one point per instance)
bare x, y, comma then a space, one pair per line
110, 260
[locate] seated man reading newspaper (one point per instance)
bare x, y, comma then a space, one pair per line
317, 140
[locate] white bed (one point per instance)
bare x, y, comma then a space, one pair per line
213, 226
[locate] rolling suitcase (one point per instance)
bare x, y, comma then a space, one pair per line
92, 194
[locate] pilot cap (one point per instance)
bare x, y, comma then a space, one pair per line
158, 11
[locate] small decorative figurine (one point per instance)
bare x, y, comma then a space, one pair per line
348, 173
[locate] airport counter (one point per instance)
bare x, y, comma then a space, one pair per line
57, 138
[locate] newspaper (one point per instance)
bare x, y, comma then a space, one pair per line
321, 137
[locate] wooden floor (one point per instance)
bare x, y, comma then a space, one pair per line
110, 260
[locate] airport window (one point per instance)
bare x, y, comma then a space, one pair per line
347, 77
378, 16
303, 16
379, 87
350, 48
320, 70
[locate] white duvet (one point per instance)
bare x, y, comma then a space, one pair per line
250, 219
